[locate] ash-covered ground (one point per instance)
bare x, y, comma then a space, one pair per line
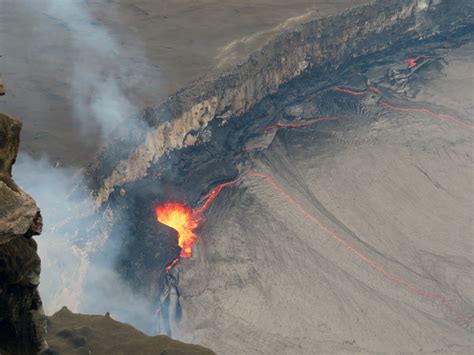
348, 228
358, 237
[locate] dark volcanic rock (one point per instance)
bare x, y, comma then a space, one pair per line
22, 321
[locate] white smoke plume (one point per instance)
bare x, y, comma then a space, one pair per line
62, 202
97, 93
69, 276
72, 233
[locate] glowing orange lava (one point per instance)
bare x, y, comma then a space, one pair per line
185, 220
182, 219
413, 62
211, 196
350, 92
280, 123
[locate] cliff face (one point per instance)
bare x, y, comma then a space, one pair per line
285, 55
22, 322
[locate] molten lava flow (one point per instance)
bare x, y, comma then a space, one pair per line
374, 90
185, 220
182, 219
400, 109
358, 93
170, 266
346, 245
413, 62
209, 198
350, 92
281, 124
298, 124
431, 113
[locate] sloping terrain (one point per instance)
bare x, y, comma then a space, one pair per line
358, 238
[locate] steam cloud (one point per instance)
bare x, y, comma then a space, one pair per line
77, 257
72, 233
96, 93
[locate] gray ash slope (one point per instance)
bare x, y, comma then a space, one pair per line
397, 186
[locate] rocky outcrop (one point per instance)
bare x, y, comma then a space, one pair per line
22, 322
70, 333
284, 56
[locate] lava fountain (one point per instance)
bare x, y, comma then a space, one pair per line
183, 220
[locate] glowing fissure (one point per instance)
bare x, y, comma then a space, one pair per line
211, 196
350, 92
411, 63
359, 93
282, 124
173, 263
